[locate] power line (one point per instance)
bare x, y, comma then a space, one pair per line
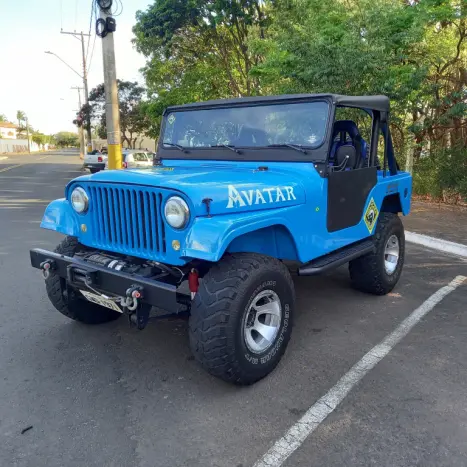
61, 14
92, 53
118, 13
90, 26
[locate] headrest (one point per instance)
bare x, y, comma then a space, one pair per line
345, 125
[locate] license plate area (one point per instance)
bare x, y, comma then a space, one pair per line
98, 300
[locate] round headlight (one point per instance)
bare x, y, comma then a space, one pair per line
79, 200
177, 213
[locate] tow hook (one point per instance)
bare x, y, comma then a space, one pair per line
47, 266
139, 312
133, 295
193, 282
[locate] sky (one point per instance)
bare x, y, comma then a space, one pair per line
38, 83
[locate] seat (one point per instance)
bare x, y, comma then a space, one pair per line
346, 157
345, 132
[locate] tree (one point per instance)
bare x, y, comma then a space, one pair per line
200, 47
66, 139
133, 119
413, 51
3, 118
21, 117
41, 139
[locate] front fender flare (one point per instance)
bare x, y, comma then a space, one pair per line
209, 237
60, 217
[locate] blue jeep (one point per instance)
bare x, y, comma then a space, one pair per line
240, 191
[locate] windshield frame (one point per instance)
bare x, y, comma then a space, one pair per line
263, 154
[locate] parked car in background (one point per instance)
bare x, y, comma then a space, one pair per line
135, 158
95, 161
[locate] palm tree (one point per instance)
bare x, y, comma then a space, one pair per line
3, 118
21, 117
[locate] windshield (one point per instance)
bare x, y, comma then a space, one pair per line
301, 124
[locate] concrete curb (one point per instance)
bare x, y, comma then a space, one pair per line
457, 249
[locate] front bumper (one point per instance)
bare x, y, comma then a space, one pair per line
109, 281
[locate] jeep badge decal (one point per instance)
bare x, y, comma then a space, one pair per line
274, 194
371, 215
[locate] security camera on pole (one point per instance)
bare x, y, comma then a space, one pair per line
105, 27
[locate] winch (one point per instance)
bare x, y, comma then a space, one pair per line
119, 264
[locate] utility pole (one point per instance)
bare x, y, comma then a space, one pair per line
27, 132
80, 127
112, 115
80, 37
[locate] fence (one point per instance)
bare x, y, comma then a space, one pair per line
18, 145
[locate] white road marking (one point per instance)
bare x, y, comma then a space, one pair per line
11, 167
20, 165
318, 412
437, 244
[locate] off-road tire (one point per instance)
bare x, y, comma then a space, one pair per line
368, 273
220, 307
69, 304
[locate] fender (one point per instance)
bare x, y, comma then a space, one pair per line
60, 217
393, 194
210, 237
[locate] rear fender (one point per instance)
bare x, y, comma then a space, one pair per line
60, 217
262, 232
395, 192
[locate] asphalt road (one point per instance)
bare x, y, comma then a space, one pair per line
112, 396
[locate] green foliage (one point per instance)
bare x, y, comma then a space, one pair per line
3, 118
133, 119
199, 49
317, 46
66, 139
443, 175
411, 50
22, 118
41, 139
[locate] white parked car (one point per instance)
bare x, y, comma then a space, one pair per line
135, 159
95, 161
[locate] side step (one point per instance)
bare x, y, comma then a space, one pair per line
336, 258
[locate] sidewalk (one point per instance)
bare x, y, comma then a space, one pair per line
441, 221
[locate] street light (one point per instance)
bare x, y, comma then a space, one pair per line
85, 82
63, 61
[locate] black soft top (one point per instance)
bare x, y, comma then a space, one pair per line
379, 103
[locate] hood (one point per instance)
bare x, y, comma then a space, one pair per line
230, 189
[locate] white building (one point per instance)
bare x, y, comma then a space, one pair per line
8, 130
